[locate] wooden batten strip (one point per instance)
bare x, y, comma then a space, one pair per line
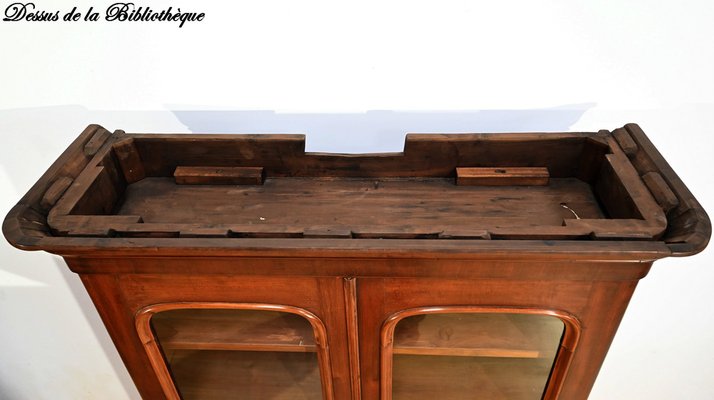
660, 190
96, 142
505, 176
55, 191
626, 143
219, 175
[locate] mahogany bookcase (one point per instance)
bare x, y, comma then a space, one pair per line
240, 266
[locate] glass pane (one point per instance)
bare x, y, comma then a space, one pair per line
239, 354
474, 356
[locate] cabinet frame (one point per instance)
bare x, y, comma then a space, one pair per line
564, 355
160, 365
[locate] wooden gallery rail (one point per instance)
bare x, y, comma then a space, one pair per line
240, 266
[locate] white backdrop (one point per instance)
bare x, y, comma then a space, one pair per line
355, 77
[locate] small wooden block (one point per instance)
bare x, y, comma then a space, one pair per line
626, 143
96, 142
660, 191
219, 175
129, 160
55, 191
506, 176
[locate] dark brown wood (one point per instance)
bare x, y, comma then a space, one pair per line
353, 243
218, 175
507, 176
661, 192
626, 143
689, 225
129, 160
55, 191
99, 136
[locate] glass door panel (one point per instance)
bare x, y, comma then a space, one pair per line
239, 353
474, 355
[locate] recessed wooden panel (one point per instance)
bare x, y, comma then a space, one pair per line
358, 205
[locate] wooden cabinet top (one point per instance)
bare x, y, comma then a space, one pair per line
600, 195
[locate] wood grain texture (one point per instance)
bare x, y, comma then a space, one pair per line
507, 176
96, 141
628, 146
55, 191
218, 175
661, 192
357, 202
579, 154
129, 159
350, 285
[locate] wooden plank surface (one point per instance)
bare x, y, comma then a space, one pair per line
423, 155
377, 204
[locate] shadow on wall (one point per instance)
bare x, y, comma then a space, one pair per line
378, 131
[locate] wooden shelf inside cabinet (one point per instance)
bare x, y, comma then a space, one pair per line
479, 335
249, 330
248, 375
457, 378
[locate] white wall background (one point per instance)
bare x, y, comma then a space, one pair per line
319, 68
